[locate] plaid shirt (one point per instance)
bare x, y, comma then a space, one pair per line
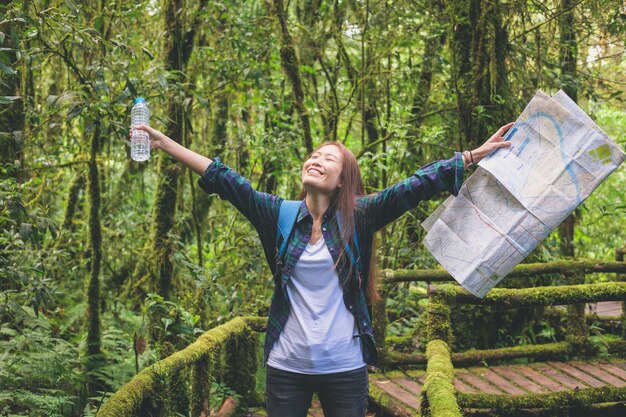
374, 212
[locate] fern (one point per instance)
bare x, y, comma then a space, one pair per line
46, 402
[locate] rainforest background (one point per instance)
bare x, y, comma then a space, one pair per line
107, 265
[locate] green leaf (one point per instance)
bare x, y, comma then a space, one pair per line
9, 99
145, 51
99, 22
72, 6
7, 69
26, 231
74, 111
308, 69
163, 81
167, 322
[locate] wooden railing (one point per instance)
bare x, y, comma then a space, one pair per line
161, 389
230, 349
439, 397
439, 390
578, 268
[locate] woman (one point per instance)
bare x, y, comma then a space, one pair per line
319, 333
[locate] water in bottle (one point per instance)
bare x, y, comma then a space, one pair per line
140, 140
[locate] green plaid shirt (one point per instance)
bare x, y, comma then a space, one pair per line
374, 212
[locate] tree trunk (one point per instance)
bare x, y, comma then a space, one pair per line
76, 186
568, 52
12, 115
479, 48
92, 319
421, 97
291, 66
178, 48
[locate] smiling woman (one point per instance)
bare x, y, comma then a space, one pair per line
319, 334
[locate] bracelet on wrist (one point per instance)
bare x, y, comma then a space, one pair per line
467, 154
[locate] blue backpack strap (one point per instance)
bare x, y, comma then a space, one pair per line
287, 214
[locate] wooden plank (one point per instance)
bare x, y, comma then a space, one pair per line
597, 372
561, 377
609, 308
622, 365
416, 375
578, 374
481, 385
461, 386
538, 377
397, 392
496, 379
615, 370
519, 380
409, 385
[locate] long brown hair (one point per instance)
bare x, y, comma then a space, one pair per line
343, 200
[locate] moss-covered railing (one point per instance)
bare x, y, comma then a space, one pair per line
230, 349
578, 268
438, 394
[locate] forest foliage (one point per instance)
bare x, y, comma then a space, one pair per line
107, 264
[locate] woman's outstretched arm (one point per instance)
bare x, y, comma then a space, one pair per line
195, 162
389, 204
216, 178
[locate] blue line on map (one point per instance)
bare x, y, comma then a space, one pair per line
509, 136
523, 145
564, 156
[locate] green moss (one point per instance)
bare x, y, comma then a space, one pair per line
438, 394
389, 404
379, 323
201, 385
404, 339
93, 354
258, 324
617, 347
579, 267
538, 296
178, 392
389, 276
146, 387
438, 324
416, 374
574, 346
512, 405
77, 184
240, 365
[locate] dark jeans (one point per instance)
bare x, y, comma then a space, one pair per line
343, 394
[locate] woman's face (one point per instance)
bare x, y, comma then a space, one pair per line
322, 171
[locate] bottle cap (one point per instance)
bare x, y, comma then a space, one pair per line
140, 100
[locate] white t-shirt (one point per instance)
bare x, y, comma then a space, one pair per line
318, 336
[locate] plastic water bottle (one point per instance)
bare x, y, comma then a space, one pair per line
140, 140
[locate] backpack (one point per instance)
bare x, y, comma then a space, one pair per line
287, 214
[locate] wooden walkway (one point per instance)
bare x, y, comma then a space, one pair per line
605, 309
534, 378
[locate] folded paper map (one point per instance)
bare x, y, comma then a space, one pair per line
518, 195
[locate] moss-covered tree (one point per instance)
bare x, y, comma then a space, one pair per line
12, 112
